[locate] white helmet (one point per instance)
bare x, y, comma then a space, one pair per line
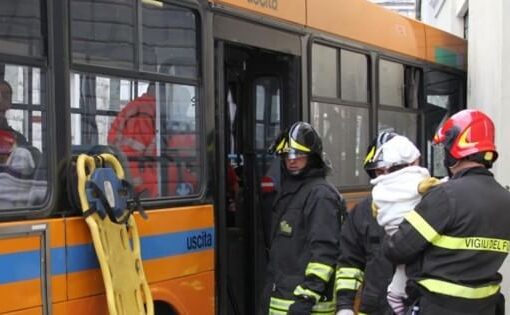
397, 152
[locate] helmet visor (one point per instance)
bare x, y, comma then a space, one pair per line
293, 155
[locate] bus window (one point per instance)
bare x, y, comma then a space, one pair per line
21, 28
152, 126
391, 83
354, 76
324, 71
401, 122
153, 123
344, 131
444, 96
267, 122
103, 33
399, 97
23, 176
344, 122
169, 40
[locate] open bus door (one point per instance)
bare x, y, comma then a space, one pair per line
260, 92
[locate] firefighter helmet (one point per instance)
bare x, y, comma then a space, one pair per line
300, 139
467, 133
370, 164
396, 153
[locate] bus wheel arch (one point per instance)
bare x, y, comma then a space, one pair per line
164, 308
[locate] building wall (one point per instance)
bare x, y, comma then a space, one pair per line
489, 84
445, 14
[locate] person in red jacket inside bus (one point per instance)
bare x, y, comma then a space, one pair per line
133, 132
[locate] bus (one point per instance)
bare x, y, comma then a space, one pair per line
189, 94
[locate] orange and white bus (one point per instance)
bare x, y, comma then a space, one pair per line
189, 94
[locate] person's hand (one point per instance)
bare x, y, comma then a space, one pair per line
301, 307
425, 185
345, 312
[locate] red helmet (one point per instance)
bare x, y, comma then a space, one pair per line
7, 142
466, 133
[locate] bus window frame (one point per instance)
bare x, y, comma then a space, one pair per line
354, 47
44, 63
138, 74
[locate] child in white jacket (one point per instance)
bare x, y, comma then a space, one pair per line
395, 194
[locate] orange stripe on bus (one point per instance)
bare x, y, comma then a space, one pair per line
18, 295
183, 293
90, 282
58, 288
183, 265
95, 305
25, 294
30, 311
21, 243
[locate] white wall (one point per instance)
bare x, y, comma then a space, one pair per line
445, 14
489, 84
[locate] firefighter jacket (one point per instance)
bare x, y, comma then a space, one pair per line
305, 243
362, 263
455, 241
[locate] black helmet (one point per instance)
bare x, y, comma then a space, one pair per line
370, 164
300, 138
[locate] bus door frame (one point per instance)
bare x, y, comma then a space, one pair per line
246, 33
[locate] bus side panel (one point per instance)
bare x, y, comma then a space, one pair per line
20, 264
446, 49
368, 23
188, 295
175, 243
290, 10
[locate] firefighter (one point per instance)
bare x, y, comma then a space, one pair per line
458, 236
305, 228
361, 261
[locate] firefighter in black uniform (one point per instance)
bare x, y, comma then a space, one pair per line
305, 228
361, 261
458, 236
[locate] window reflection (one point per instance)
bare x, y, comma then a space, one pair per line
344, 131
152, 126
324, 71
106, 34
21, 31
391, 83
444, 97
400, 122
354, 76
23, 170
